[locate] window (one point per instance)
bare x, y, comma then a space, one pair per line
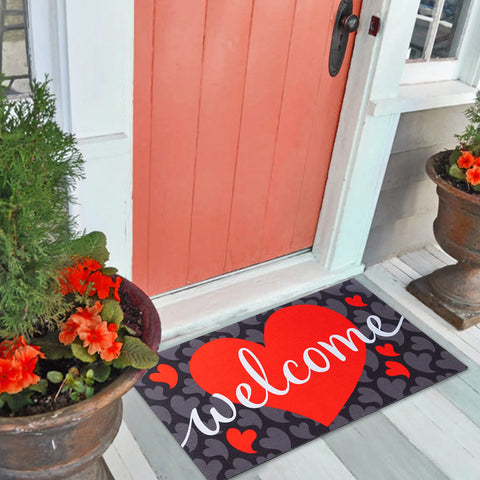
14, 58
444, 43
438, 30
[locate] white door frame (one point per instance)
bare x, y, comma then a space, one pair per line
358, 164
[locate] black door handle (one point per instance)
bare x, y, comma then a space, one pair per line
345, 23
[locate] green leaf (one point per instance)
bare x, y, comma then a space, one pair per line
18, 400
101, 372
112, 312
40, 387
75, 396
456, 172
89, 391
135, 354
78, 386
94, 245
52, 348
54, 376
454, 156
129, 330
109, 271
82, 354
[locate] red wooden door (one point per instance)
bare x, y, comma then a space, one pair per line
235, 116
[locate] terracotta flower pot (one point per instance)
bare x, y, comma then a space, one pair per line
454, 291
67, 444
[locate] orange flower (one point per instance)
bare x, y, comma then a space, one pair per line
18, 361
112, 352
69, 331
27, 357
76, 277
466, 160
87, 315
96, 334
85, 277
84, 319
116, 286
473, 175
101, 284
97, 338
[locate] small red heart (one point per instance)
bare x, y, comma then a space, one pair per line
387, 350
242, 441
355, 301
165, 374
395, 369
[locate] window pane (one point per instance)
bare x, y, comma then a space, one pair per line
14, 59
438, 29
446, 43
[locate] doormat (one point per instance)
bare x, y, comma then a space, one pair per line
244, 394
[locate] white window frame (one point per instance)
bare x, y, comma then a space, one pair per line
451, 69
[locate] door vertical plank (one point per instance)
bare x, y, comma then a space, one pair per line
226, 50
177, 71
268, 54
305, 66
328, 106
142, 108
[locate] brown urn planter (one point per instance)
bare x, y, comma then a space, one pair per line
67, 444
454, 291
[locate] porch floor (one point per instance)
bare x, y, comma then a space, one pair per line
432, 435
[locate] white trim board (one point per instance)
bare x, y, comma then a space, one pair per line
424, 96
363, 143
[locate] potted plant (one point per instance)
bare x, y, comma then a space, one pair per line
454, 291
74, 335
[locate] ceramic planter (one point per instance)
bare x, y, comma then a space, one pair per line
454, 291
67, 444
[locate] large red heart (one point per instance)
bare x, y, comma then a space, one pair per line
288, 333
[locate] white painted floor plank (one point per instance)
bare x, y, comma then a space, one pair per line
404, 267
312, 461
436, 250
373, 449
422, 261
401, 273
464, 392
125, 459
168, 460
439, 430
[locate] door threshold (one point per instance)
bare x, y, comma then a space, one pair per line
187, 313
230, 274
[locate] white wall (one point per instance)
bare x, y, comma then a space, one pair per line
407, 204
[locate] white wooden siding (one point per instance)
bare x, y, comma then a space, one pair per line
407, 203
